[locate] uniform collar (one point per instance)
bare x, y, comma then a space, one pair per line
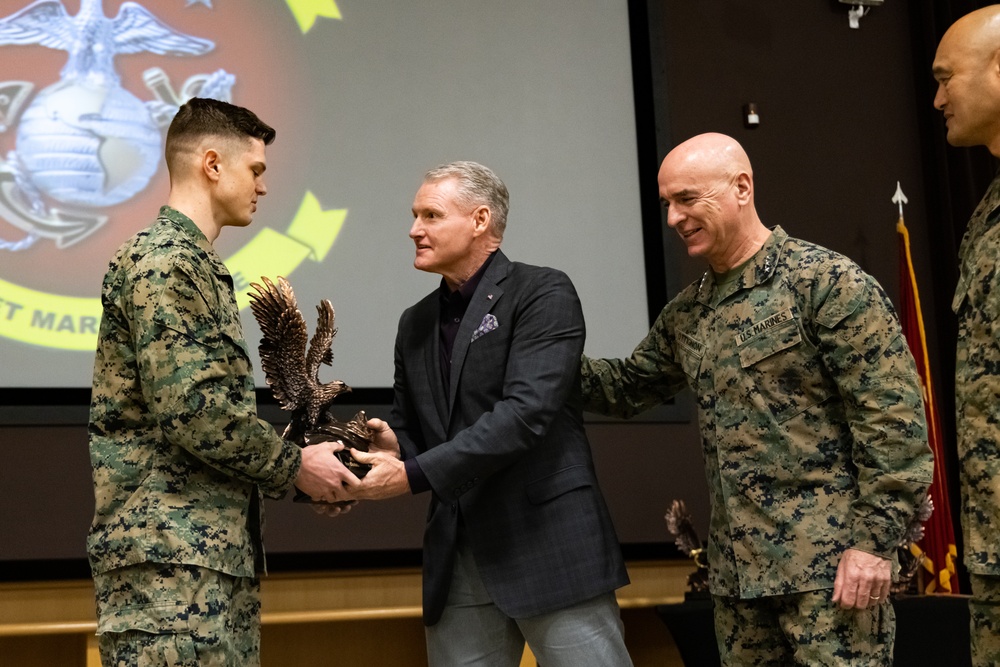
186, 224
983, 218
756, 270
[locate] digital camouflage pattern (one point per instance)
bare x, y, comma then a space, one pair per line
810, 409
154, 615
977, 385
813, 632
177, 450
984, 620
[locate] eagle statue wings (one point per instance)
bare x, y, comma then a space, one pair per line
292, 372
680, 525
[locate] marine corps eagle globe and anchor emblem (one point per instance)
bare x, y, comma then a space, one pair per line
77, 155
86, 142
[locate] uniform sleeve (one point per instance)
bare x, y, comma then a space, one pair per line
196, 379
867, 355
627, 387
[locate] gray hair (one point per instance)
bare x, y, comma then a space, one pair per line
477, 186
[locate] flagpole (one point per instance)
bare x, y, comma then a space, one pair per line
939, 539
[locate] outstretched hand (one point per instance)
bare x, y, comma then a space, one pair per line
386, 479
383, 438
322, 476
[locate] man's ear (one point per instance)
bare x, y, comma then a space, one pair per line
744, 188
211, 162
994, 64
481, 219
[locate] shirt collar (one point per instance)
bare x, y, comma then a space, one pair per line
468, 288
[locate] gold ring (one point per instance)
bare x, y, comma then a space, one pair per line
873, 597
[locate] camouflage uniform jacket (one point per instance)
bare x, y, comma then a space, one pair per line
810, 410
176, 448
977, 384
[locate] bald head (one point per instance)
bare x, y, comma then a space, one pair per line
967, 69
976, 32
706, 185
710, 155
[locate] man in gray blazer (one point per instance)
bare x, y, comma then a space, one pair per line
519, 545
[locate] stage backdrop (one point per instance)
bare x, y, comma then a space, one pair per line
838, 129
365, 97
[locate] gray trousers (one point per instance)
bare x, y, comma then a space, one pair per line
473, 631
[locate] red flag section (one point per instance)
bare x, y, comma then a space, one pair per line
938, 545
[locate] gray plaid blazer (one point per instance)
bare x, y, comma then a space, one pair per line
505, 452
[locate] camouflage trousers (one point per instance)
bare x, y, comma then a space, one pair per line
984, 620
154, 615
802, 629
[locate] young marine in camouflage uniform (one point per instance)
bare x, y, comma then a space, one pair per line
811, 420
967, 68
179, 457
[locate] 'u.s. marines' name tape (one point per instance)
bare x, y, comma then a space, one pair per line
765, 324
70, 323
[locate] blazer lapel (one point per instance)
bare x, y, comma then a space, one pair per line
430, 349
485, 298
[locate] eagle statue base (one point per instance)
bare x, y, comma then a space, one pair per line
355, 434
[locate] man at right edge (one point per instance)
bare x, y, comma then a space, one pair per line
967, 69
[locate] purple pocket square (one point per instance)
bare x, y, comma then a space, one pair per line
488, 324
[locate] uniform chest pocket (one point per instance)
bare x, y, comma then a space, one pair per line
770, 343
690, 352
239, 355
227, 345
785, 369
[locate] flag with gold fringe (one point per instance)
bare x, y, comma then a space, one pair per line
937, 548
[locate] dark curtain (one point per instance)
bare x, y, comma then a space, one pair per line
955, 180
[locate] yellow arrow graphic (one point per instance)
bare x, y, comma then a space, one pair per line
307, 11
311, 235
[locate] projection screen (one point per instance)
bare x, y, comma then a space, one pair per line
365, 97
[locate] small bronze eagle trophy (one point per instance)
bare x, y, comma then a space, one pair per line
293, 374
680, 526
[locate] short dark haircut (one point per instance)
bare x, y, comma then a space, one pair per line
202, 117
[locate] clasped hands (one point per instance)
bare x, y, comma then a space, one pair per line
325, 479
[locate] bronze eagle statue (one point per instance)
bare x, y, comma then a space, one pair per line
293, 373
681, 526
